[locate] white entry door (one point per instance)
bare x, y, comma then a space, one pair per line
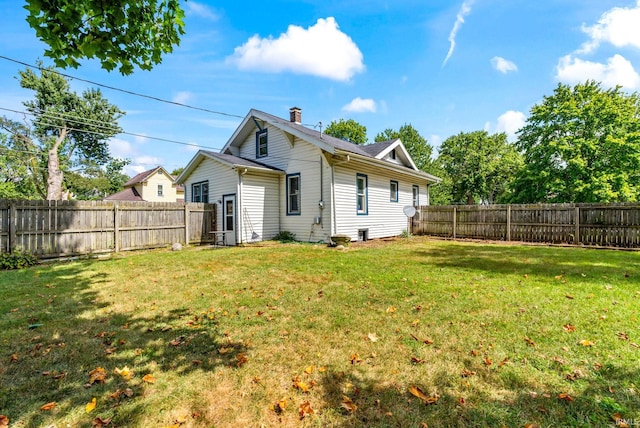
229, 218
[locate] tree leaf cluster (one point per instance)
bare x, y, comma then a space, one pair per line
121, 34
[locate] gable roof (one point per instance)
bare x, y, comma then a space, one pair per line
128, 194
144, 175
371, 152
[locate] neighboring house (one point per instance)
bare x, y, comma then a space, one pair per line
275, 175
154, 185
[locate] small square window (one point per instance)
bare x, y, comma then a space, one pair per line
393, 190
261, 144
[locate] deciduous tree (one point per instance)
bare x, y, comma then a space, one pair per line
120, 33
581, 144
417, 146
348, 130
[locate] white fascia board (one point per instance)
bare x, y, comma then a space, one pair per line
397, 144
396, 168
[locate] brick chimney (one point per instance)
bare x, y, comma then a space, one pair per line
295, 115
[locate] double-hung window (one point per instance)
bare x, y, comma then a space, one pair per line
393, 190
160, 190
293, 194
261, 144
416, 196
362, 204
200, 192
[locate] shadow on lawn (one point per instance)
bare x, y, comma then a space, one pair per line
57, 341
502, 259
608, 393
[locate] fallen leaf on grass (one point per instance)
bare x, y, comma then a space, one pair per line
417, 360
305, 409
487, 361
566, 397
4, 421
348, 404
426, 341
48, 406
125, 372
568, 328
90, 405
530, 342
241, 359
372, 337
355, 358
299, 385
98, 374
309, 369
620, 422
14, 358
99, 422
391, 309
280, 406
569, 296
149, 378
426, 399
585, 342
622, 336
468, 373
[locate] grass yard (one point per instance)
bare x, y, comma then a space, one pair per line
409, 333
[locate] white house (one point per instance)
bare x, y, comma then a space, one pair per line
276, 175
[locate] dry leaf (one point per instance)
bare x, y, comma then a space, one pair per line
14, 358
298, 384
461, 401
348, 404
97, 375
125, 372
568, 328
391, 309
48, 406
417, 360
309, 369
241, 359
622, 336
566, 397
487, 361
586, 343
149, 378
355, 358
99, 422
620, 422
280, 406
90, 405
128, 392
224, 350
569, 296
468, 373
305, 409
530, 342
416, 391
372, 337
4, 421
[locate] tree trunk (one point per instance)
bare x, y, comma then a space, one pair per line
470, 200
54, 182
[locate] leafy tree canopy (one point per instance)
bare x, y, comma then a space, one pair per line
479, 166
65, 128
417, 146
348, 130
120, 33
581, 144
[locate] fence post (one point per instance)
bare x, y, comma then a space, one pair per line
509, 222
455, 219
186, 224
116, 227
576, 237
13, 218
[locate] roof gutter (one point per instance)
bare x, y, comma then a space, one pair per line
399, 169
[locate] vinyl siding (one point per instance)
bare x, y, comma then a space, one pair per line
384, 218
306, 159
149, 189
222, 179
260, 206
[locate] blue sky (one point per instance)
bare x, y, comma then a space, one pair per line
443, 66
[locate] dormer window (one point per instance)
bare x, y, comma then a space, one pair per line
261, 143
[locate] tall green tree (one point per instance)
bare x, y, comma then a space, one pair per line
581, 144
65, 128
417, 146
120, 33
348, 130
92, 181
480, 166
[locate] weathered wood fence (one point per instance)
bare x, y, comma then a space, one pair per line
67, 228
608, 225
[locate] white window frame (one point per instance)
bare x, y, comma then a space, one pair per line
294, 194
362, 194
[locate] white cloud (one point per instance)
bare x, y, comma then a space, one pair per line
617, 71
120, 148
359, 105
464, 11
508, 122
182, 97
503, 65
201, 10
618, 26
320, 50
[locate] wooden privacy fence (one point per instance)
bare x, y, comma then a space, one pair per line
65, 228
609, 225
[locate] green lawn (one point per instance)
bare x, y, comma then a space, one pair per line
304, 335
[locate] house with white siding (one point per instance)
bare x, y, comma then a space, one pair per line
276, 175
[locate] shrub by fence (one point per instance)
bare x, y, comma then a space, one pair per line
609, 225
65, 228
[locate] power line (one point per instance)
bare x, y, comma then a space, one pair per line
113, 88
79, 121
